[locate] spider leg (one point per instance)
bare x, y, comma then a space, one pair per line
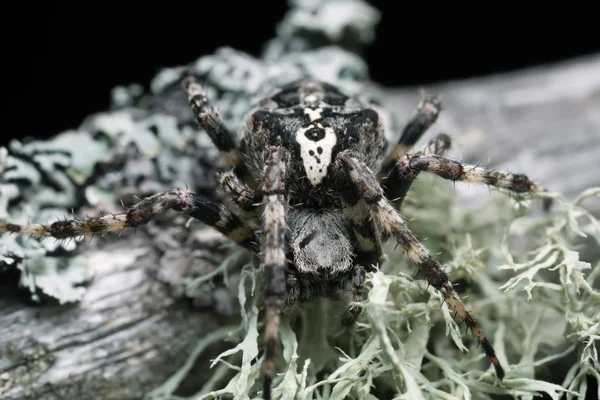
181, 200
438, 145
209, 119
389, 219
396, 185
410, 165
367, 236
293, 294
274, 247
244, 197
368, 244
351, 314
241, 194
424, 116
368, 251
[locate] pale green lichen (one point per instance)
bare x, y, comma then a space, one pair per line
528, 286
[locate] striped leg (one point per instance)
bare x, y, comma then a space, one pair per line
410, 165
351, 314
238, 191
368, 244
424, 116
242, 195
274, 248
396, 185
368, 240
391, 222
184, 201
209, 119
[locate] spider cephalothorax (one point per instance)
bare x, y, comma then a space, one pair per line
311, 168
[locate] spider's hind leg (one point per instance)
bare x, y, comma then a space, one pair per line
396, 184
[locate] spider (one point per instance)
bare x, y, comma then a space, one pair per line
311, 167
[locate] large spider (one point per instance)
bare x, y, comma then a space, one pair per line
310, 167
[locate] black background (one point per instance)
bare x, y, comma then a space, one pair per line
64, 60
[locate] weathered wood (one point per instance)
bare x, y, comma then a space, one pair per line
130, 333
543, 121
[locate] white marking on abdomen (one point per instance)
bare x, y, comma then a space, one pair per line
316, 155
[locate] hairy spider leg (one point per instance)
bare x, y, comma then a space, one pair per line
438, 145
181, 200
423, 117
368, 245
389, 219
410, 165
358, 283
368, 240
396, 185
274, 247
209, 119
241, 195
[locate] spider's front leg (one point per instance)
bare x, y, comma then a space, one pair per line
274, 246
410, 165
209, 119
391, 222
396, 184
185, 201
368, 244
424, 116
242, 195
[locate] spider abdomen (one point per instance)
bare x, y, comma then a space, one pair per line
322, 249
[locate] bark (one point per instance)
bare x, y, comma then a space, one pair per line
131, 332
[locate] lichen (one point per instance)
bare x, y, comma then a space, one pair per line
539, 306
523, 273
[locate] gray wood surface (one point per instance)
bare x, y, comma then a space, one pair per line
129, 334
543, 121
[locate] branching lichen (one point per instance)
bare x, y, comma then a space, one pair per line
538, 301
